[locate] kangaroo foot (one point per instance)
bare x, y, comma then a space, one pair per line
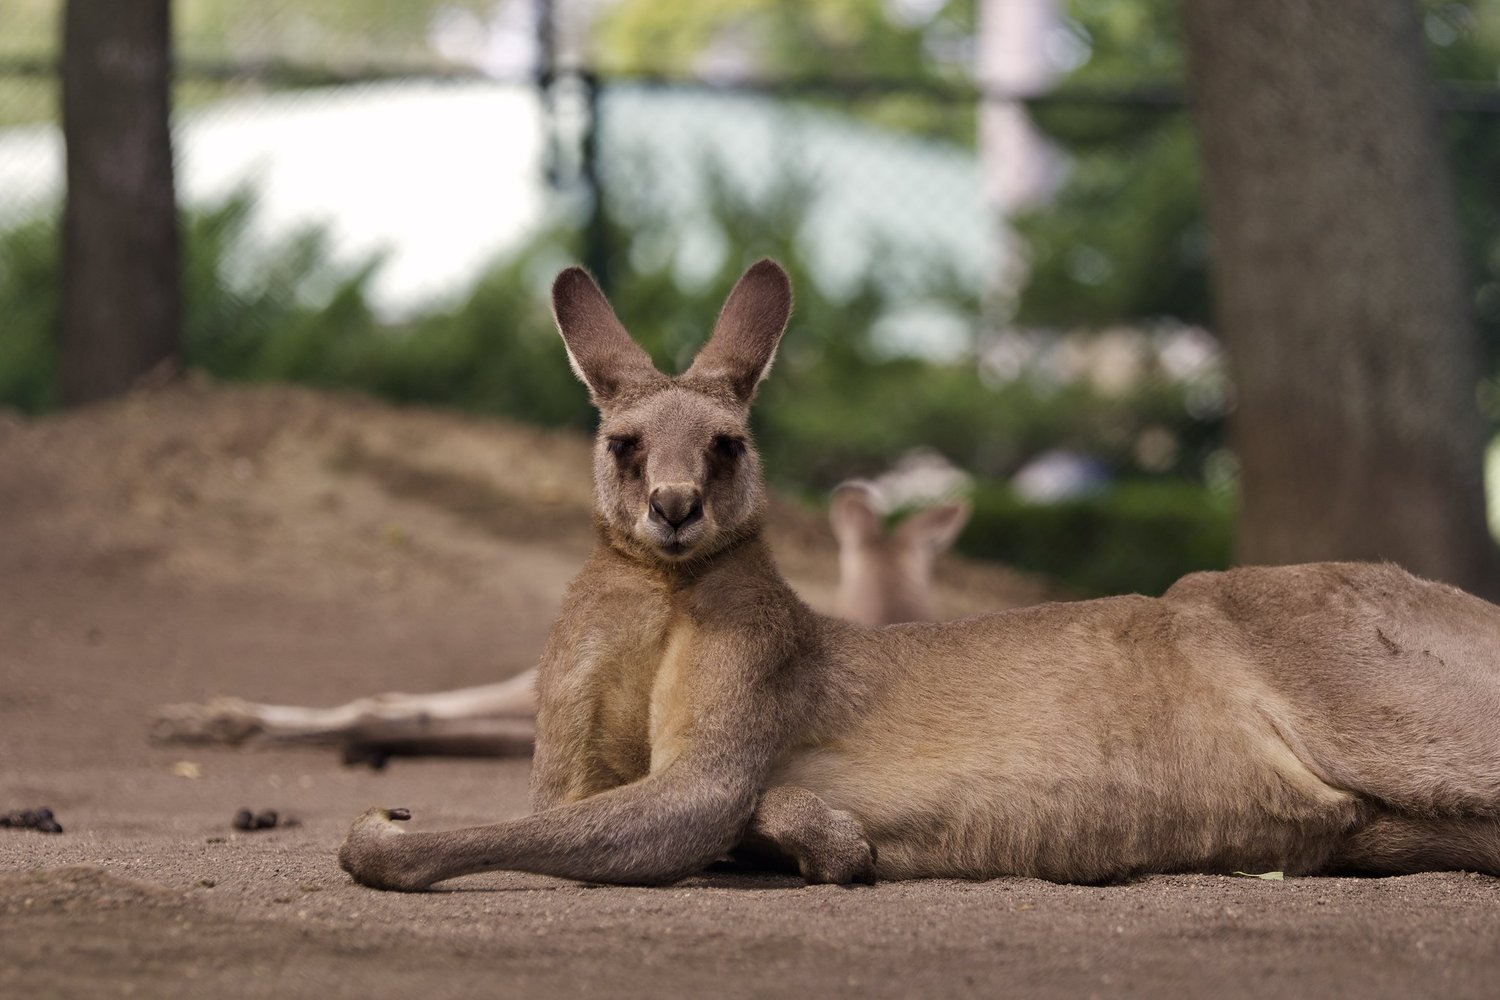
836, 852
828, 845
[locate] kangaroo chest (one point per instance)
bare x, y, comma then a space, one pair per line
637, 697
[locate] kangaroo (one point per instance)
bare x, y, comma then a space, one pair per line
884, 578
1322, 718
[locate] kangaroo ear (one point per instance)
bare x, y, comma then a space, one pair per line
934, 529
854, 514
602, 354
749, 327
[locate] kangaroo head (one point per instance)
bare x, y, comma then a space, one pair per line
676, 478
886, 577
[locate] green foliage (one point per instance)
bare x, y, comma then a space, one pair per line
1124, 240
287, 312
30, 295
281, 311
330, 32
858, 39
792, 40
31, 28
1138, 537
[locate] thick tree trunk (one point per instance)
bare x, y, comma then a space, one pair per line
121, 311
1340, 286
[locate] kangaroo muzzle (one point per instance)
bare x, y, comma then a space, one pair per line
675, 507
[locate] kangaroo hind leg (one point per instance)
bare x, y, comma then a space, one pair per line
1397, 844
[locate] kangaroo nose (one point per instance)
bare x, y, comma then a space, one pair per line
676, 508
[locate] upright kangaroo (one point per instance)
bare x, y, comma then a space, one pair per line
1333, 717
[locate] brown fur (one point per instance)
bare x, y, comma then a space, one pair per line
1306, 719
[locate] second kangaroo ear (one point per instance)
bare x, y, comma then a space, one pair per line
854, 514
602, 354
934, 529
749, 327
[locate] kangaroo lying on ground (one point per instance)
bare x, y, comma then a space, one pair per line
1322, 718
884, 578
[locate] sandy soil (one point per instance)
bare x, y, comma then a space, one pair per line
290, 546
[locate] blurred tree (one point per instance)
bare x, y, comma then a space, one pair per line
121, 306
1340, 286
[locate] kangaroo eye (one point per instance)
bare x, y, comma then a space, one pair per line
623, 447
729, 447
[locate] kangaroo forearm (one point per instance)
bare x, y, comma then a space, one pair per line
648, 833
672, 850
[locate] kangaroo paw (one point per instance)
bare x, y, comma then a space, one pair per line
372, 852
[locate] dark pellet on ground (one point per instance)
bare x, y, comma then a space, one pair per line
244, 820
266, 820
31, 819
400, 814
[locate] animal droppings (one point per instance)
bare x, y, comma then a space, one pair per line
40, 820
267, 819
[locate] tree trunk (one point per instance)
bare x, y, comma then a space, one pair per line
121, 310
1340, 287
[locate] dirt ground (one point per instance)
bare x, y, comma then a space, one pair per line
284, 545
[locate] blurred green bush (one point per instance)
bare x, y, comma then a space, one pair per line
1138, 537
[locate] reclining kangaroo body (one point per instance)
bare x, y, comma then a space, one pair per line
1333, 717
